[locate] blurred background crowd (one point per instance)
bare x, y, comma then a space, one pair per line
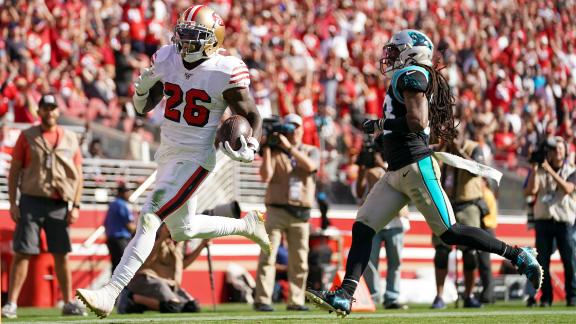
511, 64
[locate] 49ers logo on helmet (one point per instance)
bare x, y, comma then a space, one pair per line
217, 20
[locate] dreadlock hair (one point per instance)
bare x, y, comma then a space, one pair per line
440, 105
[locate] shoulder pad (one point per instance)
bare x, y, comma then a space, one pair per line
410, 78
163, 53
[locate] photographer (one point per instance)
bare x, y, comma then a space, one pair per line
552, 179
288, 166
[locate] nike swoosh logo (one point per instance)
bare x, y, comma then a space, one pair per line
405, 174
410, 72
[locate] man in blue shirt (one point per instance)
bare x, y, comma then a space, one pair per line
119, 225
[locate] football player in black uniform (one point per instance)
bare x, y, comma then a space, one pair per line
418, 106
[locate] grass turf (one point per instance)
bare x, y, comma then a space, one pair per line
235, 313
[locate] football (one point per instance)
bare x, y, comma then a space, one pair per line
231, 129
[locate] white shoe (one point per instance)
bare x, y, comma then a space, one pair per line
9, 311
256, 231
100, 301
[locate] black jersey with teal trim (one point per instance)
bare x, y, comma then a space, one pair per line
404, 148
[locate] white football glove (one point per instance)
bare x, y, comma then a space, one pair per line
245, 153
146, 80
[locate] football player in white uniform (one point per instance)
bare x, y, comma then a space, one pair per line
199, 84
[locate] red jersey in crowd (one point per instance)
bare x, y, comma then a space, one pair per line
134, 16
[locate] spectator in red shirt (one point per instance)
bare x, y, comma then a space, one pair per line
501, 91
505, 143
134, 16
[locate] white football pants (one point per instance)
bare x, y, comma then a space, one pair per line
173, 202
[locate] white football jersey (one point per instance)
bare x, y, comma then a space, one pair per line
194, 103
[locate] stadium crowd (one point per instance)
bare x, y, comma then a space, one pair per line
512, 63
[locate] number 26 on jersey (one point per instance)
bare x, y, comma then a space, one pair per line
193, 113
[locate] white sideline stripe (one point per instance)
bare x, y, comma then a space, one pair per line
250, 249
200, 318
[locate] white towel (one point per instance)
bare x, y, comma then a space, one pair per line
469, 165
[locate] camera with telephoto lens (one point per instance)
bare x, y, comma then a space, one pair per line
366, 156
545, 146
272, 127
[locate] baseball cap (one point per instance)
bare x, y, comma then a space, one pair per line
293, 119
48, 100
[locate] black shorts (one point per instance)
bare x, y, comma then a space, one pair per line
42, 213
116, 247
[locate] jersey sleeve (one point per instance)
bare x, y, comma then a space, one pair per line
238, 74
160, 58
20, 149
414, 80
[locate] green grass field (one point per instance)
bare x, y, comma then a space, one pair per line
235, 313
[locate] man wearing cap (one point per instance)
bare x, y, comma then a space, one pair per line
288, 167
119, 225
46, 168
